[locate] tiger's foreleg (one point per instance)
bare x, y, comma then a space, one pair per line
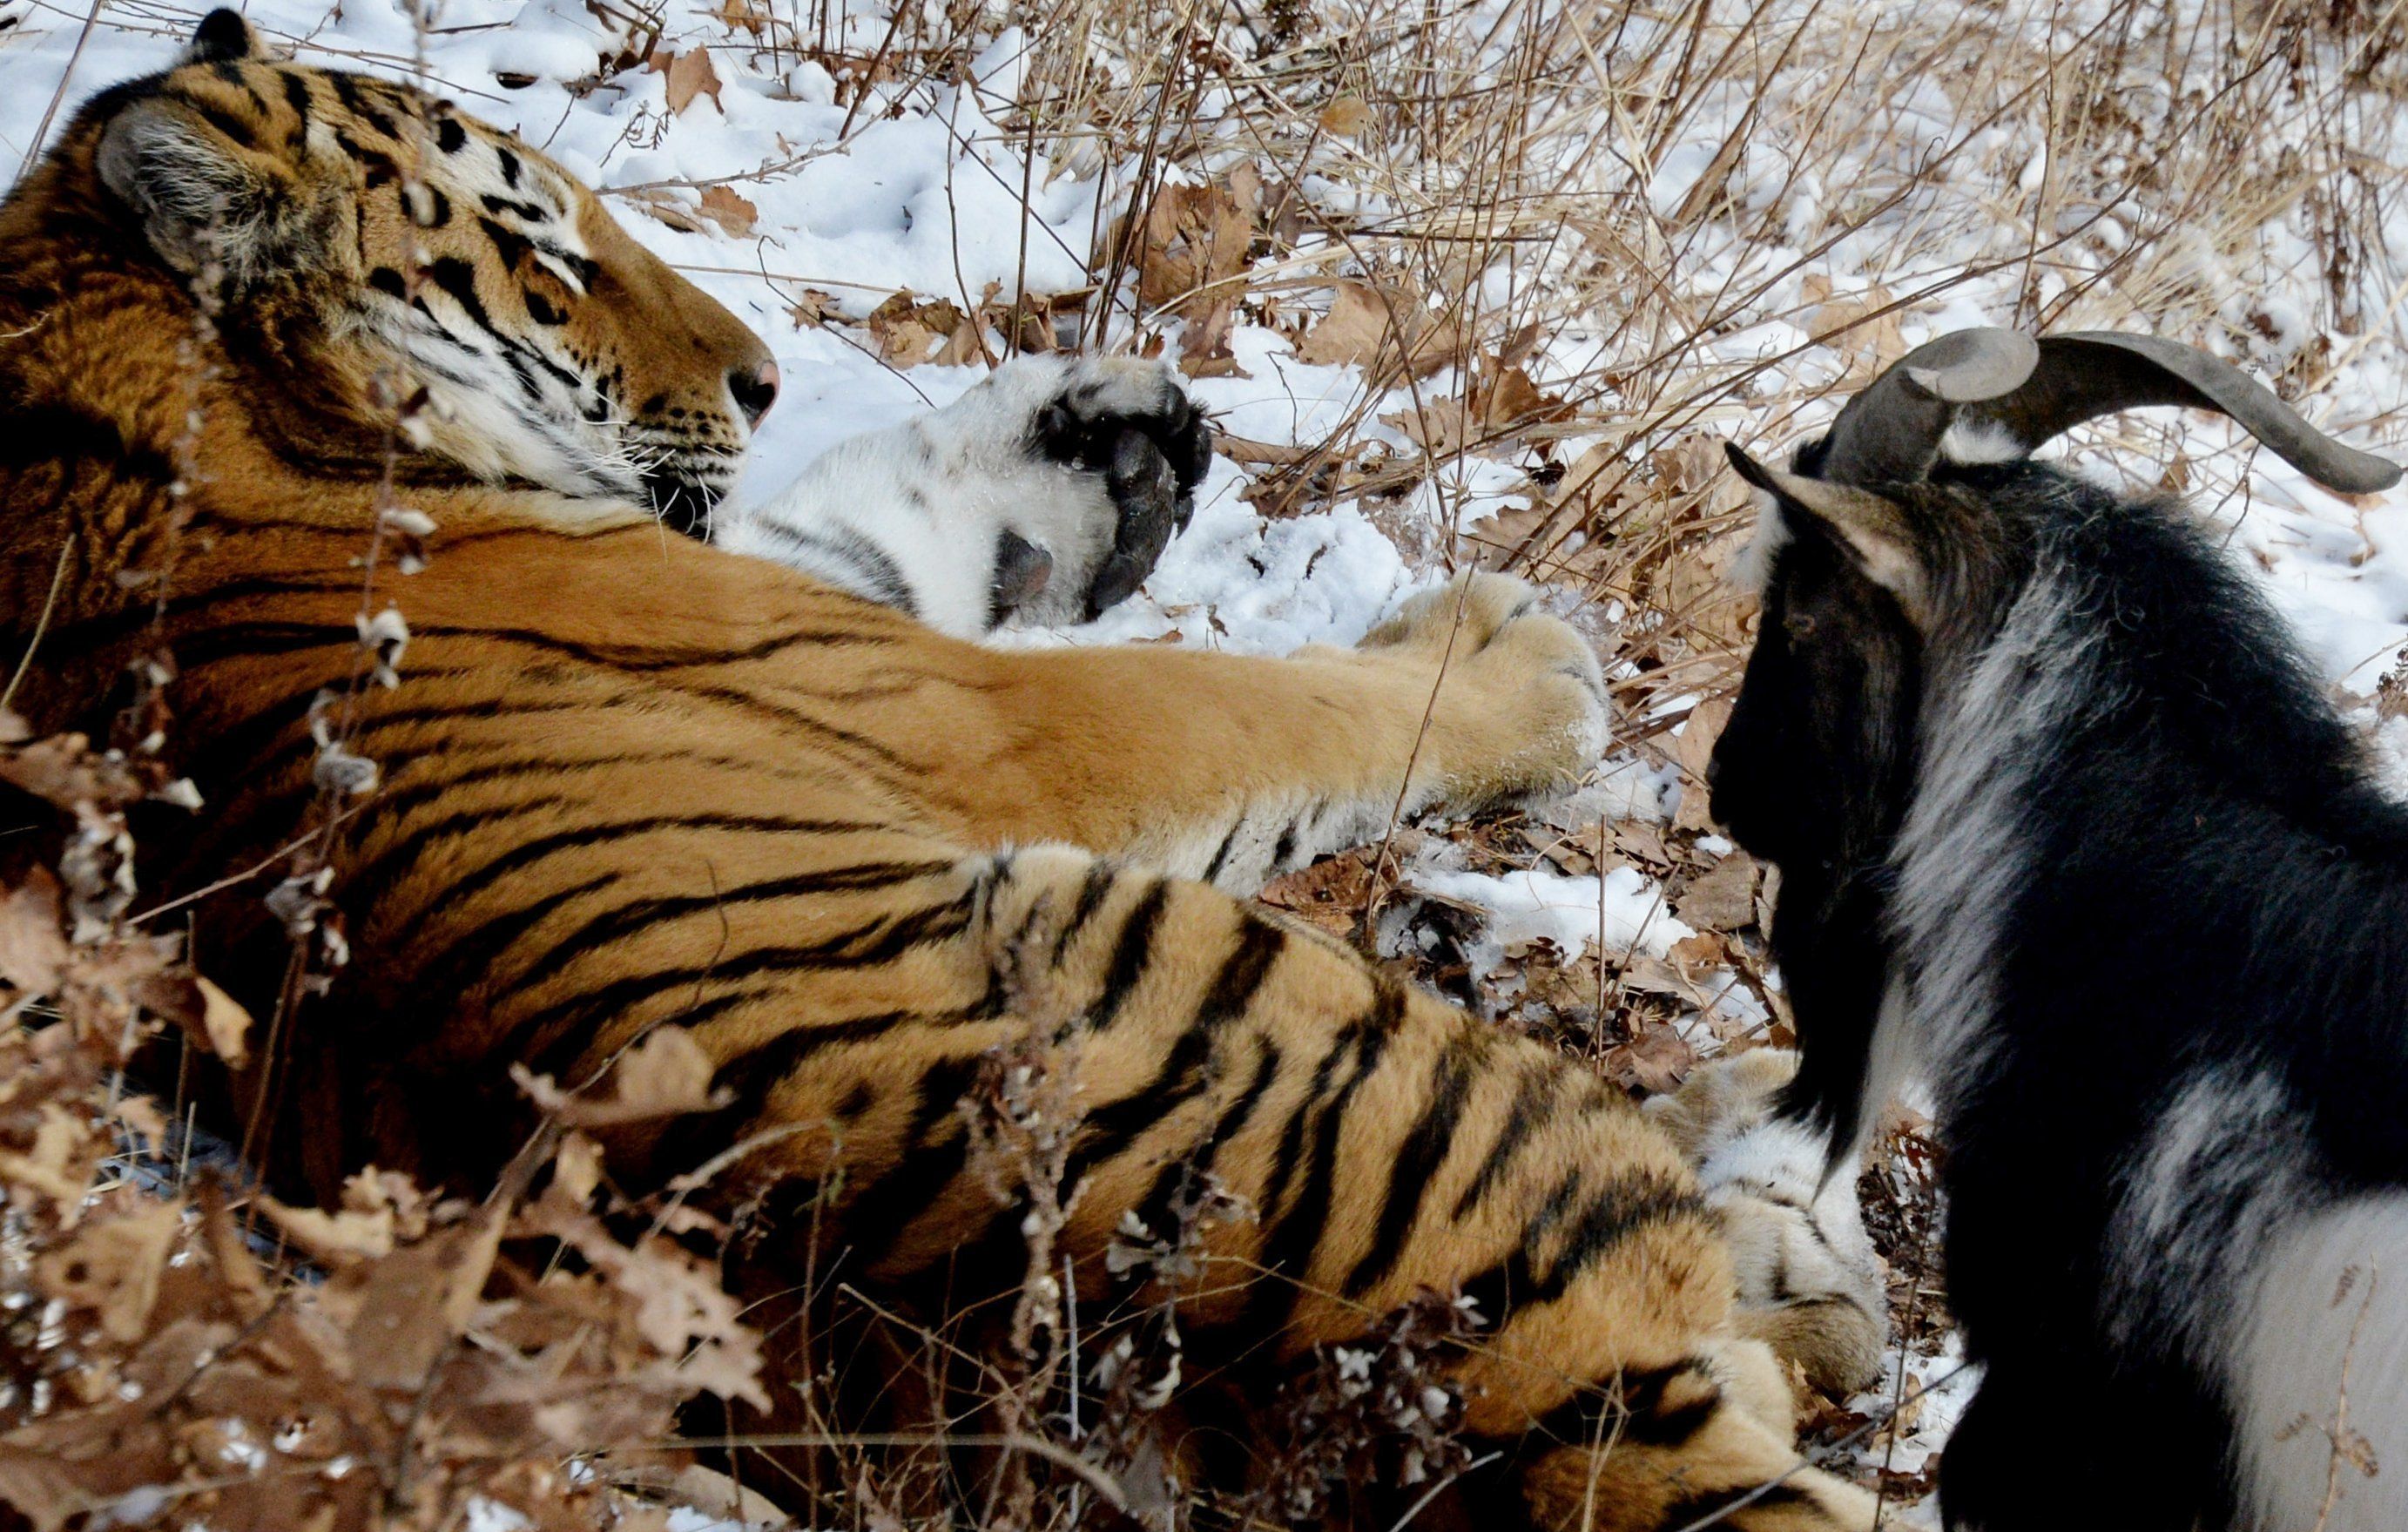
1385, 1145
1232, 769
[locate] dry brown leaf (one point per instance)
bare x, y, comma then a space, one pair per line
964, 345
336, 1239
1723, 898
226, 1024
691, 74
576, 1168
399, 1320
663, 1076
1643, 843
1204, 343
33, 951
113, 1266
1362, 330
35, 1482
1655, 1061
747, 14
1693, 748
1194, 250
812, 307
734, 216
63, 770
909, 331
58, 1163
1330, 893
1345, 116
1699, 950
1504, 398
1440, 427
663, 204
1352, 333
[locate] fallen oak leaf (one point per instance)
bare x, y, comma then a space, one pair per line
1720, 898
33, 949
732, 214
113, 1266
336, 1239
690, 74
666, 1075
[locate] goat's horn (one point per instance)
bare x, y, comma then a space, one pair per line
2096, 372
2029, 393
1890, 432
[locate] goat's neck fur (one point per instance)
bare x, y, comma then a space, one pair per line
2150, 909
1962, 853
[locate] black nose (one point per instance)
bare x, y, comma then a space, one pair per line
754, 391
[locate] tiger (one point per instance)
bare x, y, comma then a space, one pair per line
632, 777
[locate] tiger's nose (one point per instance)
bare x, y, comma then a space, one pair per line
754, 391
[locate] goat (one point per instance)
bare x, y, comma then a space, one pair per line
2065, 823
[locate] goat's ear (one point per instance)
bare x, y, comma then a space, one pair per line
202, 198
1871, 528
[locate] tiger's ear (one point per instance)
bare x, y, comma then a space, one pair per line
202, 198
223, 37
1872, 529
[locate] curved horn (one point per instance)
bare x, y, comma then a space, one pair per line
2031, 393
1890, 432
2092, 373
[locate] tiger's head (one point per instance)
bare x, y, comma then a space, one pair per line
352, 231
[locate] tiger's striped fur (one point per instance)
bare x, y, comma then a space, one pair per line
630, 778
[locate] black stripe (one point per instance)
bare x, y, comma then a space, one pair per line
1129, 955
751, 1076
1496, 1292
1631, 1409
1288, 1247
1417, 1161
348, 88
887, 1206
467, 959
61, 434
617, 924
1220, 856
1614, 1214
1098, 881
1286, 846
558, 1033
1528, 1111
1185, 1071
1156, 1207
363, 889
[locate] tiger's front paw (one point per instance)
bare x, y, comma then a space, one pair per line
1521, 704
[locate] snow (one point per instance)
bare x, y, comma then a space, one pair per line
1533, 904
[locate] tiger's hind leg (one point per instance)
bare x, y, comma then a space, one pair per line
1809, 1281
1384, 1144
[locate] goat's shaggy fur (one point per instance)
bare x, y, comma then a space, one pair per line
2064, 825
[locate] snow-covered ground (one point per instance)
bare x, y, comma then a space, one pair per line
803, 207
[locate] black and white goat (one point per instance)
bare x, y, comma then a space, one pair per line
2064, 825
